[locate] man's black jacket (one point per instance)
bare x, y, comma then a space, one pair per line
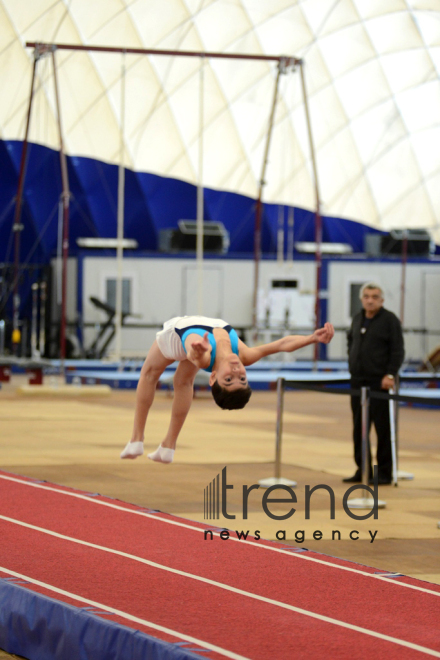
379, 350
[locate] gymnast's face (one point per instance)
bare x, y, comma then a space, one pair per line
230, 374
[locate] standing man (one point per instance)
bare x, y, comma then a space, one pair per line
375, 355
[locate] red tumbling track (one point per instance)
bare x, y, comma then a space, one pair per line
253, 599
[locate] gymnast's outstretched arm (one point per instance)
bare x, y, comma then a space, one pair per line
285, 345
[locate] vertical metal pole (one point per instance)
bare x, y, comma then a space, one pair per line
318, 219
393, 438
396, 421
200, 205
17, 226
290, 233
403, 277
2, 337
34, 353
402, 319
280, 234
272, 481
401, 474
318, 259
365, 404
43, 299
65, 199
59, 260
259, 207
120, 223
279, 430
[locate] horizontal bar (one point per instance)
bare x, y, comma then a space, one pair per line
301, 385
171, 53
373, 394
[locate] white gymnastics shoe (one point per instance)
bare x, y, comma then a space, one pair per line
162, 455
133, 450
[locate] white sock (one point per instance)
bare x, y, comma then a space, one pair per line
133, 450
162, 455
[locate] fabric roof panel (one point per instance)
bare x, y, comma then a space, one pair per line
429, 5
433, 188
260, 11
317, 73
407, 69
377, 130
274, 37
101, 26
339, 161
342, 15
371, 8
394, 32
318, 12
394, 174
372, 75
429, 29
209, 18
417, 203
362, 89
353, 39
427, 156
355, 200
411, 102
155, 22
328, 115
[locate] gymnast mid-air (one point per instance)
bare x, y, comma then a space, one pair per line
198, 342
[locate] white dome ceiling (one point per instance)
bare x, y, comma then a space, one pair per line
372, 75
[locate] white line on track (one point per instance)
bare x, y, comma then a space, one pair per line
129, 617
234, 590
299, 555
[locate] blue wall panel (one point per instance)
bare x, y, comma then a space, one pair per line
152, 203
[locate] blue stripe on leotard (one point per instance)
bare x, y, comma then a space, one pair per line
200, 330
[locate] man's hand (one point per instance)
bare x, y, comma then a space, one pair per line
200, 346
387, 383
324, 335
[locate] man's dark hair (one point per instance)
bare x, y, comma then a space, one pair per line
228, 400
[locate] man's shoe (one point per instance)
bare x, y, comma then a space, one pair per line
355, 479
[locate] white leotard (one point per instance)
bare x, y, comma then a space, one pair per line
169, 339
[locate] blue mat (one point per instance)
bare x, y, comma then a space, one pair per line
36, 626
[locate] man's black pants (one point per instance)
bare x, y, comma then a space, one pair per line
380, 417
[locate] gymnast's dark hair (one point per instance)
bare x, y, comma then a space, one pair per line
228, 400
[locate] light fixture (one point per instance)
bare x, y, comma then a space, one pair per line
106, 243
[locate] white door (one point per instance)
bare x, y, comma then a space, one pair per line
212, 288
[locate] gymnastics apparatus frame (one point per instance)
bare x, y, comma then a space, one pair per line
284, 63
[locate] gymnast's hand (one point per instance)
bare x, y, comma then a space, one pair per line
324, 335
200, 346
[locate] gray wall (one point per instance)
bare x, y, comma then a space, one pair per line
163, 288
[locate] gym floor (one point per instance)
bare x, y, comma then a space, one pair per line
76, 441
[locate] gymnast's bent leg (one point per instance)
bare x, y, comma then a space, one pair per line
183, 396
153, 367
